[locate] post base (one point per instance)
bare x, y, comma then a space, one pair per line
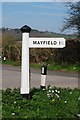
42, 87
27, 96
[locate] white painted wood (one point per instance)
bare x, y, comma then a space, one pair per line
25, 88
46, 42
34, 43
43, 70
43, 80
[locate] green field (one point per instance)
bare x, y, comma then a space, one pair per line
50, 103
0, 104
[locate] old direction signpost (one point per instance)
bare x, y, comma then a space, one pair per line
34, 43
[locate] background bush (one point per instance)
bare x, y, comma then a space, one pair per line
69, 54
12, 51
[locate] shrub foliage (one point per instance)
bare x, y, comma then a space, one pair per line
51, 103
69, 54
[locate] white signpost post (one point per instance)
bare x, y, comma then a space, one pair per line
34, 43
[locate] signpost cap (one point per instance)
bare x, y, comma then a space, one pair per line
25, 28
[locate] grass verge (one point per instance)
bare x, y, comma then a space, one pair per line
53, 67
50, 103
9, 62
0, 105
59, 67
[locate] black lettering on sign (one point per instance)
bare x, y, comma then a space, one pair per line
44, 42
34, 42
55, 42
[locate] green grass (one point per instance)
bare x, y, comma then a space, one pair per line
0, 61
47, 103
0, 104
9, 62
55, 67
59, 67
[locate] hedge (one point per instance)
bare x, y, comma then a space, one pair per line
69, 54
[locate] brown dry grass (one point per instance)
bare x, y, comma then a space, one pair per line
0, 41
0, 37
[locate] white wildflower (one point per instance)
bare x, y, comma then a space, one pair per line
13, 113
58, 91
70, 93
79, 98
49, 91
78, 115
57, 95
43, 89
15, 102
19, 107
50, 87
52, 91
53, 100
74, 68
65, 101
55, 90
48, 95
